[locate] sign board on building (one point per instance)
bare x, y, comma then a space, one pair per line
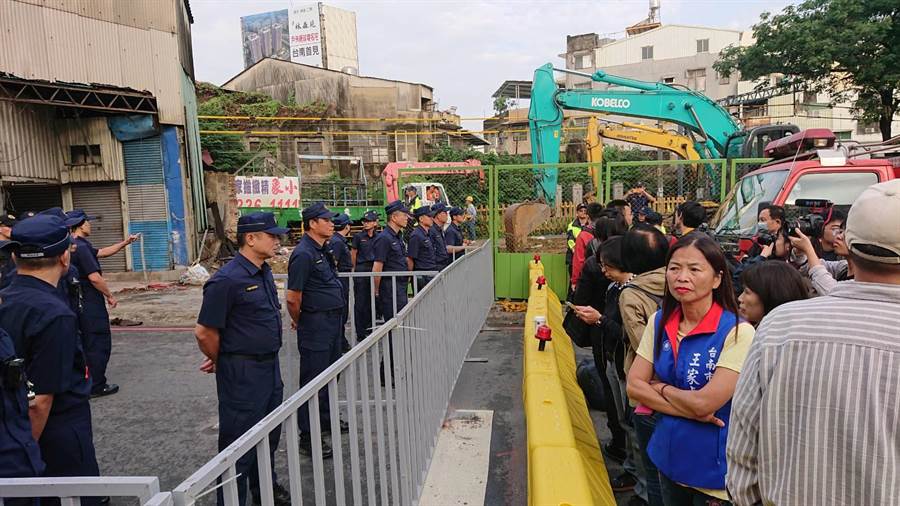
306, 34
266, 191
265, 36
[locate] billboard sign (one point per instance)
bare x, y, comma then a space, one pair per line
305, 35
267, 191
265, 36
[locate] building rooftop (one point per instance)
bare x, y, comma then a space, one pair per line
514, 89
321, 69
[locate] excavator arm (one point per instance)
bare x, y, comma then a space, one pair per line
652, 137
712, 125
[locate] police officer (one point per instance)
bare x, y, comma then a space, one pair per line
420, 250
573, 230
413, 201
315, 301
363, 255
390, 256
6, 262
441, 255
45, 334
239, 331
453, 236
344, 262
96, 294
20, 456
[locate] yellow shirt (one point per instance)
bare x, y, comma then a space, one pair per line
734, 352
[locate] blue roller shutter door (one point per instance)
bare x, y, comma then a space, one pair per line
147, 205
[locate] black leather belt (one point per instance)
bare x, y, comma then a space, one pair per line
263, 357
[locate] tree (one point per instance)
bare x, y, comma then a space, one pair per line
502, 104
847, 48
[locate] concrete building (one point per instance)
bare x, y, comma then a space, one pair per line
98, 111
416, 123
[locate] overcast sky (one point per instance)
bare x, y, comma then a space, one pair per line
463, 49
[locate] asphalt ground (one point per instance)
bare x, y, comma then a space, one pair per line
163, 422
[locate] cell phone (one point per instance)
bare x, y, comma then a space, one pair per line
570, 306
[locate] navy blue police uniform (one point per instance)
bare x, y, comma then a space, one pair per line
441, 257
6, 261
20, 456
362, 292
312, 271
453, 235
241, 301
391, 252
44, 330
420, 248
94, 319
340, 250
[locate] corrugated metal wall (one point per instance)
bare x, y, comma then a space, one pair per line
91, 131
105, 202
147, 204
56, 45
29, 149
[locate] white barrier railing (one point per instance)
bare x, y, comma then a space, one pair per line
393, 389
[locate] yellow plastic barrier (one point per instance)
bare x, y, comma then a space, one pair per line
565, 466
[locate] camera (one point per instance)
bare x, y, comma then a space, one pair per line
813, 224
765, 238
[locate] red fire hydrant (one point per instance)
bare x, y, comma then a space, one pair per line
541, 281
542, 334
537, 257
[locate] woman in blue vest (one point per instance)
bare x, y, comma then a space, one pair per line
687, 366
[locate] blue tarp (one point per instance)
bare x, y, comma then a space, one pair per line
132, 127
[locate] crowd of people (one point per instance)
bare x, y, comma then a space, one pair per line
762, 378
55, 343
239, 329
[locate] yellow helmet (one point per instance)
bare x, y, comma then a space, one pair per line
470, 199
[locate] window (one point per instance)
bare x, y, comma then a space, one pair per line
309, 147
584, 61
668, 80
84, 155
647, 53
737, 214
702, 45
841, 188
520, 136
723, 79
867, 128
696, 79
843, 136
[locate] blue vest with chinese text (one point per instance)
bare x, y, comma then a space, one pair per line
687, 451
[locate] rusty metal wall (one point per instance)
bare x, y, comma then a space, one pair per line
91, 131
60, 42
29, 148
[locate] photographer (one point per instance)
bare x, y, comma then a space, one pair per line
833, 226
823, 274
766, 247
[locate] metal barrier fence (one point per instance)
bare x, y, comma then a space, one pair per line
71, 490
402, 376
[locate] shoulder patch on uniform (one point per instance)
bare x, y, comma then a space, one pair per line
251, 288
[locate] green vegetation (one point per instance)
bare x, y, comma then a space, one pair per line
228, 151
847, 48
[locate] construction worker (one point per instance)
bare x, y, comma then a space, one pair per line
441, 255
44, 330
471, 218
573, 230
412, 201
453, 236
95, 321
315, 300
420, 250
340, 250
239, 331
363, 256
390, 256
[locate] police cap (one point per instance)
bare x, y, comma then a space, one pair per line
440, 207
58, 212
341, 221
318, 210
370, 216
7, 220
394, 207
455, 211
43, 236
259, 222
423, 211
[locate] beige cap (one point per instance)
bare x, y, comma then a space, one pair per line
874, 219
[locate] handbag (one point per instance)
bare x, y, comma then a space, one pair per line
578, 331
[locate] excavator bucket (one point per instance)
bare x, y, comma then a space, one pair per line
519, 220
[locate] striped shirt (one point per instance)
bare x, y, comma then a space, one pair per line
816, 412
